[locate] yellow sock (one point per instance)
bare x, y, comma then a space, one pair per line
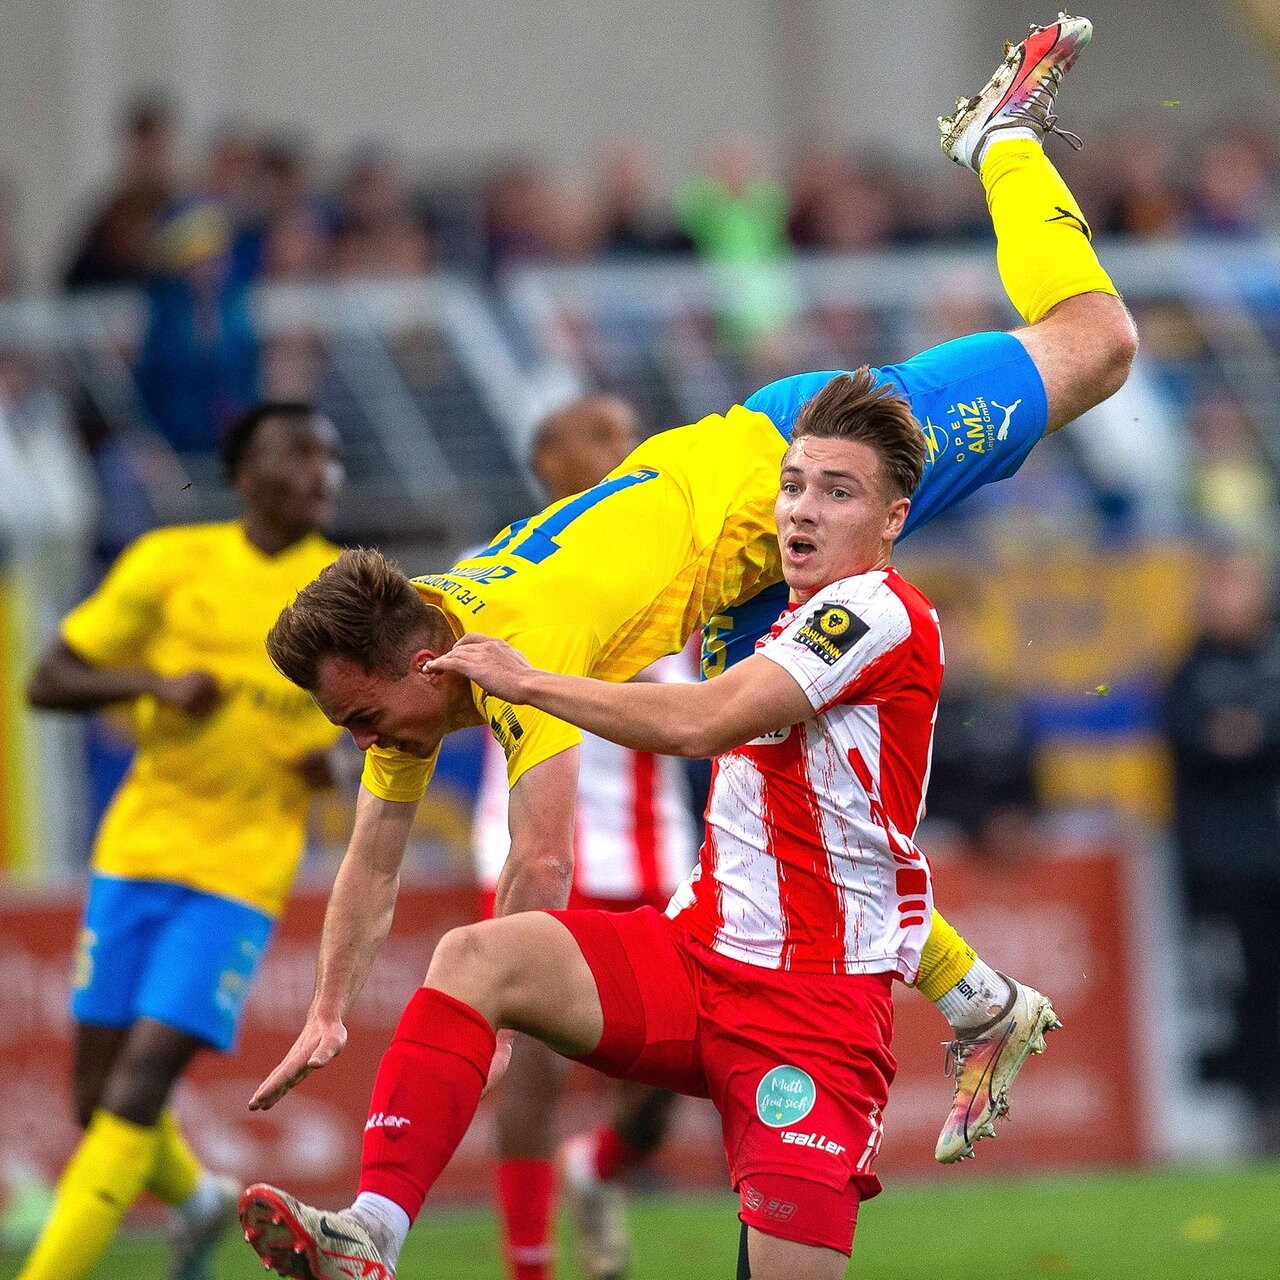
1043, 245
945, 959
176, 1171
98, 1186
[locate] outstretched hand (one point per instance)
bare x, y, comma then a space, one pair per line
492, 664
321, 1040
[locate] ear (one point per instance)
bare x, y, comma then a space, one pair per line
895, 518
420, 659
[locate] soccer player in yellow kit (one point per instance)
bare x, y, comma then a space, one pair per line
196, 853
601, 584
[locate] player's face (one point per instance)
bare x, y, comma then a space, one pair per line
293, 474
834, 516
411, 713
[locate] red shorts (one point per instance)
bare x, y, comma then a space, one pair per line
798, 1064
587, 902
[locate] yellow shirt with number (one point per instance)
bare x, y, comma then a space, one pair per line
606, 582
217, 803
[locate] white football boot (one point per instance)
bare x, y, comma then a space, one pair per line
986, 1062
1020, 95
598, 1211
192, 1240
295, 1240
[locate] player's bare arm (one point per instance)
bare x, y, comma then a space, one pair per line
539, 869
538, 872
694, 720
64, 681
356, 924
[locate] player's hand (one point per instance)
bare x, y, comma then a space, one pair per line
501, 1060
492, 664
195, 693
321, 1040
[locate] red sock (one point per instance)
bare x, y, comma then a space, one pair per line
426, 1092
526, 1196
613, 1156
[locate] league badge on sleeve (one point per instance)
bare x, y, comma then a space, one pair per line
831, 632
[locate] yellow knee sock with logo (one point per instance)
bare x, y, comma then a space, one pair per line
176, 1171
1043, 244
98, 1186
944, 960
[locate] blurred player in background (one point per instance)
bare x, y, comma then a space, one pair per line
602, 584
634, 841
196, 853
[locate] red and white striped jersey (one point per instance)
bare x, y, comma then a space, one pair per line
634, 832
808, 862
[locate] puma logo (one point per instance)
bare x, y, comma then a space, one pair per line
1065, 215
1008, 416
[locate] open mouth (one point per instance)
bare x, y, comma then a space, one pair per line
799, 549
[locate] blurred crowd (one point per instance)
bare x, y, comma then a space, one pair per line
197, 228
275, 208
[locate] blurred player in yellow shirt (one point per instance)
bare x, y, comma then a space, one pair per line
196, 853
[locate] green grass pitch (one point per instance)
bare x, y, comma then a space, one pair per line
1168, 1225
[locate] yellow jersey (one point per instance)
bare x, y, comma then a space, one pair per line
606, 582
216, 804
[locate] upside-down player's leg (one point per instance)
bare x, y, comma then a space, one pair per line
1082, 342
1079, 333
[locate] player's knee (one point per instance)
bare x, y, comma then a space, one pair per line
470, 967
138, 1090
86, 1092
1084, 350
86, 1103
146, 1070
457, 955
1118, 342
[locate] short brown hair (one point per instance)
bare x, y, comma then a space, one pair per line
854, 406
361, 608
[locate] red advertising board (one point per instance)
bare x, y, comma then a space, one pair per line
1059, 922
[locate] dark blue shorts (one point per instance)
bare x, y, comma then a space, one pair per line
150, 949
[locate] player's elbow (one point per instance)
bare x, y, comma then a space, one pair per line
546, 878
700, 740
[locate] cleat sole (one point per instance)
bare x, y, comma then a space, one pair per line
288, 1247
282, 1242
954, 126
